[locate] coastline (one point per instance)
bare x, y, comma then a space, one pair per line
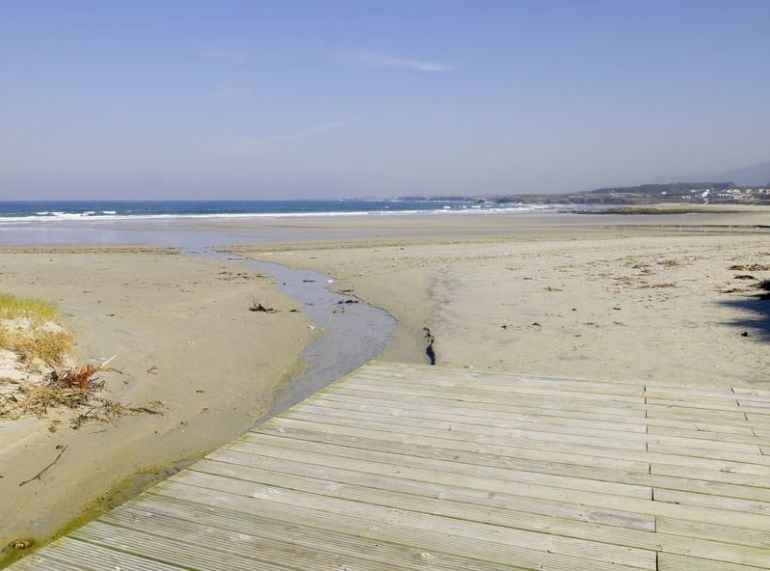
496, 290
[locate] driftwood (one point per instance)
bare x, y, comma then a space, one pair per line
39, 475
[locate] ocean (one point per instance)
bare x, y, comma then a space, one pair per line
19, 211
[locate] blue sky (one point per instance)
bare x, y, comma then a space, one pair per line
284, 99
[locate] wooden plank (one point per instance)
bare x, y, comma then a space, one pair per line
526, 387
609, 501
430, 489
711, 453
181, 550
408, 369
186, 515
310, 480
710, 435
713, 532
480, 410
406, 406
478, 425
474, 432
328, 433
725, 476
384, 529
406, 468
454, 473
484, 418
669, 562
68, 553
684, 483
466, 433
487, 396
531, 526
217, 540
711, 501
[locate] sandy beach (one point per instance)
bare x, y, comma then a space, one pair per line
182, 334
583, 296
600, 297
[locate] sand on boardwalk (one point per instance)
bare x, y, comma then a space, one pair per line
183, 334
606, 297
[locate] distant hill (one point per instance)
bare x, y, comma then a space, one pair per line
753, 175
669, 188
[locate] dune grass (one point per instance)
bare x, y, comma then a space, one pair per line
40, 339
12, 307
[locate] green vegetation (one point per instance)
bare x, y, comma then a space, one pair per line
651, 211
12, 307
119, 493
41, 339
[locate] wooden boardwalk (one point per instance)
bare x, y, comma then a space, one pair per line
400, 467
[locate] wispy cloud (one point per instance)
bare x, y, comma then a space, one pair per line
252, 145
375, 59
220, 54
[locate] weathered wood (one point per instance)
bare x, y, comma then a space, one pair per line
406, 467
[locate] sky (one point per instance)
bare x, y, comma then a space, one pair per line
288, 99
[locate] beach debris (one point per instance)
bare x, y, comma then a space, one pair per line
39, 475
20, 544
664, 285
75, 389
257, 306
744, 277
348, 301
308, 281
78, 378
536, 324
429, 351
744, 333
750, 267
153, 370
732, 290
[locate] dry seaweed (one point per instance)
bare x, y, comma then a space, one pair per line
750, 267
76, 390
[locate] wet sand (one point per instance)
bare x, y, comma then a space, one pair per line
629, 297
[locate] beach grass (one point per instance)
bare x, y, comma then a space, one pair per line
41, 338
13, 307
50, 347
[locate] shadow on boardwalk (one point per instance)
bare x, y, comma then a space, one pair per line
757, 312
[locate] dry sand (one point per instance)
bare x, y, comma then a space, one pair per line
605, 297
182, 333
628, 297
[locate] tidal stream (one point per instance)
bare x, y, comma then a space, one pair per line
352, 331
